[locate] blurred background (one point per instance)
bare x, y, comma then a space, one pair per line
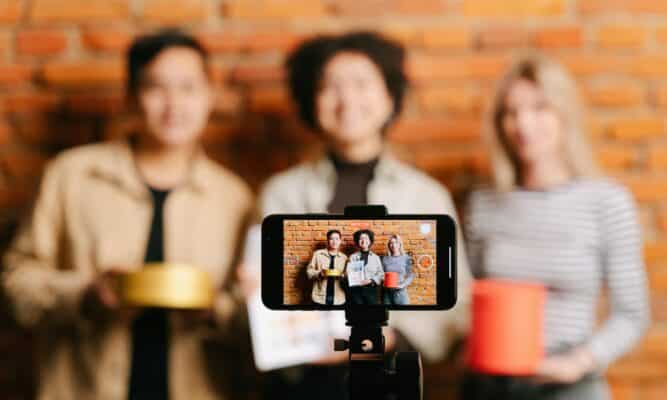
61, 74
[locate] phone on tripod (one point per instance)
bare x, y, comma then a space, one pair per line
365, 262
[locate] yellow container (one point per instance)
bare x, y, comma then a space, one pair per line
167, 285
333, 273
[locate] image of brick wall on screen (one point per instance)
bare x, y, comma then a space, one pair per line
303, 238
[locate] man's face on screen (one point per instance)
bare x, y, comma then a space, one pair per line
175, 97
334, 242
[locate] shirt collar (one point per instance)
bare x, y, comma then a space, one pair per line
121, 169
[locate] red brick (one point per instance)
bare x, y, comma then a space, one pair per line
429, 68
274, 9
622, 6
82, 74
617, 157
617, 94
661, 221
657, 158
95, 103
175, 11
436, 129
621, 36
5, 132
586, 64
24, 165
104, 39
653, 390
41, 42
661, 35
258, 73
272, 100
448, 161
660, 97
658, 282
450, 99
259, 41
648, 189
419, 7
501, 37
649, 66
227, 100
32, 102
559, 37
11, 198
634, 129
219, 41
10, 11
447, 38
78, 10
15, 73
407, 36
513, 8
355, 8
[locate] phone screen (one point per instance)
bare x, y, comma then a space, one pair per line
361, 262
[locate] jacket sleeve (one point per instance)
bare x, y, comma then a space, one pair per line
313, 270
39, 287
378, 271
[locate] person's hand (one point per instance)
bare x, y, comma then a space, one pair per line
366, 282
248, 281
565, 368
100, 296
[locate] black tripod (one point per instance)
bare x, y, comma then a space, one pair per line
370, 378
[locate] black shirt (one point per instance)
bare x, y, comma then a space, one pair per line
352, 183
149, 376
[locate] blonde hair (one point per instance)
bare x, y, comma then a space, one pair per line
401, 251
560, 92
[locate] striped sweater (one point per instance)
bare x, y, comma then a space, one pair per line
575, 239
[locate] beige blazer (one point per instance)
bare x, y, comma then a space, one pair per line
94, 212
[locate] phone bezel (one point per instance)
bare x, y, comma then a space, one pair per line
272, 251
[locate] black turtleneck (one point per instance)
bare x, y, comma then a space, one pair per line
352, 183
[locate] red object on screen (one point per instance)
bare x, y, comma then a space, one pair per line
391, 280
507, 327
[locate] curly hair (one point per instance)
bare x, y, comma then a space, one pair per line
306, 64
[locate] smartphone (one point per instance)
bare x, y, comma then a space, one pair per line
330, 262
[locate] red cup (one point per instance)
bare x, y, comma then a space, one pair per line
391, 280
507, 327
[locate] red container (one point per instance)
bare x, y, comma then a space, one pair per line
507, 327
391, 280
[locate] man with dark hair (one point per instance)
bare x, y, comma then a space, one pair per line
325, 270
109, 208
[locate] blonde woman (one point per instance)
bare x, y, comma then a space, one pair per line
551, 218
397, 261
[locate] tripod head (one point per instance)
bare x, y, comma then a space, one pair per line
370, 378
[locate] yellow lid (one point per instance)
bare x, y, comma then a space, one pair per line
167, 285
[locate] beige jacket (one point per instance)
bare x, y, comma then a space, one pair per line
319, 262
308, 188
94, 212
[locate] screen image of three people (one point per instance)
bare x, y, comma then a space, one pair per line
364, 277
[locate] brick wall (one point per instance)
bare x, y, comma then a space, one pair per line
61, 85
302, 238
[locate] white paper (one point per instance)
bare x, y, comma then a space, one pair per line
355, 273
286, 338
